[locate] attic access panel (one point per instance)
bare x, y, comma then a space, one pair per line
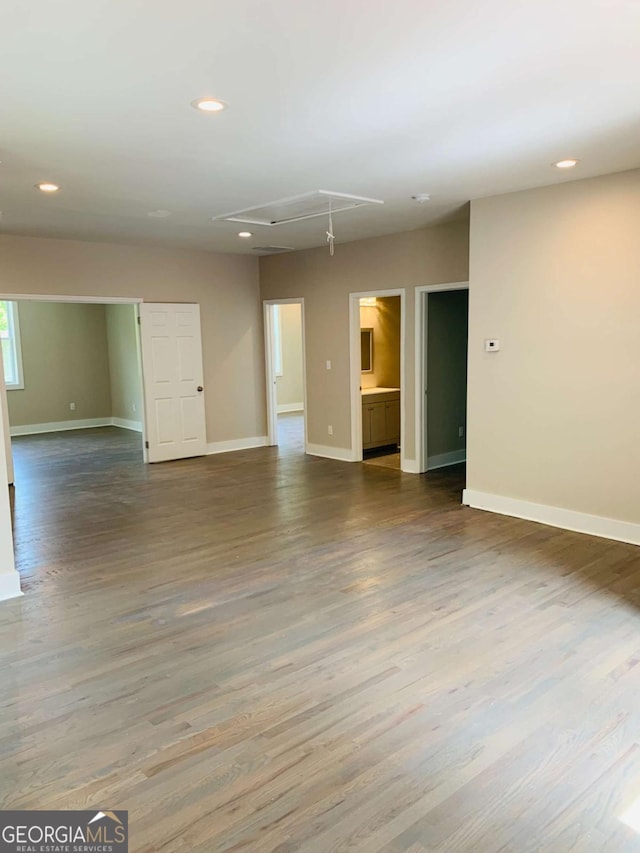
297, 207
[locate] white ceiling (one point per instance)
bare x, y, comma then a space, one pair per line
381, 98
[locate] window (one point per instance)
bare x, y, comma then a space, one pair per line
10, 337
277, 340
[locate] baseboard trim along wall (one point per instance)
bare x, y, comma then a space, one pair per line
290, 407
341, 454
442, 460
10, 585
236, 444
60, 426
123, 423
410, 466
80, 423
580, 522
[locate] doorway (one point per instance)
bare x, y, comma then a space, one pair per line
69, 366
442, 331
285, 374
377, 345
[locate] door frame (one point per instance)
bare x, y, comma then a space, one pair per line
354, 358
95, 300
421, 312
270, 375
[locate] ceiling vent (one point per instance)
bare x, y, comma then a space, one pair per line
271, 250
297, 207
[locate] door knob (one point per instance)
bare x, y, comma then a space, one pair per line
200, 389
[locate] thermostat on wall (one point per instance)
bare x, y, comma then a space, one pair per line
491, 345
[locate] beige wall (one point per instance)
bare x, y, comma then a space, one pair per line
553, 417
289, 386
447, 313
64, 360
124, 362
428, 256
384, 319
225, 286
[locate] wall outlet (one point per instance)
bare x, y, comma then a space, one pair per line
72, 407
133, 407
491, 345
328, 364
330, 429
460, 432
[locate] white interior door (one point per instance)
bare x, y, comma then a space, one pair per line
173, 380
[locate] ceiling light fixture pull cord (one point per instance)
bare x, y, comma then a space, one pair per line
330, 236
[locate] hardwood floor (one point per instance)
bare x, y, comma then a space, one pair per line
263, 651
291, 432
383, 458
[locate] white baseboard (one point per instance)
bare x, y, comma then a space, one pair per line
580, 522
80, 423
442, 460
9, 585
123, 423
342, 454
236, 444
60, 426
290, 407
410, 466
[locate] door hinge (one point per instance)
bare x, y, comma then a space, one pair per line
139, 323
146, 444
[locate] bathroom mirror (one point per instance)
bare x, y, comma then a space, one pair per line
366, 350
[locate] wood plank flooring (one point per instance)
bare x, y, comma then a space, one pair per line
263, 651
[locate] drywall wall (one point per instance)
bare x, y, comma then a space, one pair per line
429, 256
289, 386
385, 320
124, 364
225, 286
447, 321
64, 360
553, 416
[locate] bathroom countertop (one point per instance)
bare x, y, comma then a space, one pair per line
366, 391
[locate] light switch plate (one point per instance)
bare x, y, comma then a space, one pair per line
491, 345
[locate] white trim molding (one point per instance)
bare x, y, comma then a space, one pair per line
10, 585
410, 466
76, 298
290, 407
341, 454
420, 332
60, 426
273, 409
355, 371
81, 423
237, 444
443, 460
123, 423
567, 519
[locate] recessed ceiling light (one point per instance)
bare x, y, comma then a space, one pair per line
208, 105
159, 214
245, 234
47, 187
569, 163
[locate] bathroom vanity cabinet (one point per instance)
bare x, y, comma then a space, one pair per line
380, 417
